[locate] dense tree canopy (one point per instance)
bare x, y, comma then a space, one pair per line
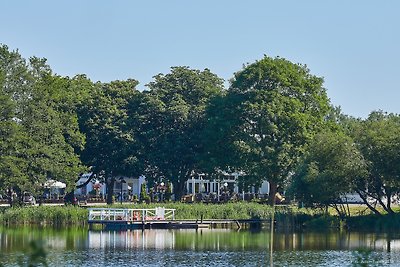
378, 139
174, 123
273, 114
369, 166
281, 107
39, 123
111, 147
12, 165
327, 171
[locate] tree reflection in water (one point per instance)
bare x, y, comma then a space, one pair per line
219, 247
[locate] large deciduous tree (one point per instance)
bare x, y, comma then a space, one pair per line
328, 171
369, 167
378, 138
174, 124
48, 134
52, 127
12, 165
281, 106
111, 146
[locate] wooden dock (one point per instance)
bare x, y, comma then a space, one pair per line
158, 218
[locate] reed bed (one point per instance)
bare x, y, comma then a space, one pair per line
45, 215
58, 216
75, 216
237, 210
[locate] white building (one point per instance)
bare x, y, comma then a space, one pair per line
229, 181
92, 185
130, 185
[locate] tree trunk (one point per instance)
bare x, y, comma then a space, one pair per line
389, 203
367, 203
273, 189
339, 211
69, 197
110, 190
385, 207
10, 197
178, 189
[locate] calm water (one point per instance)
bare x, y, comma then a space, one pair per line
218, 247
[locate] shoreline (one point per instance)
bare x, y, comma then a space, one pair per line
286, 217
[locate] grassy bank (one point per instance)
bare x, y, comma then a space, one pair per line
237, 210
372, 222
310, 219
44, 215
71, 215
355, 222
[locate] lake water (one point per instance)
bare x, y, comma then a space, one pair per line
217, 247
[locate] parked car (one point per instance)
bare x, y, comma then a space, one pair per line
29, 199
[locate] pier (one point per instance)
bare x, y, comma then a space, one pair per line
157, 218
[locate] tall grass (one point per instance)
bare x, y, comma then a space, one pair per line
71, 215
236, 210
44, 215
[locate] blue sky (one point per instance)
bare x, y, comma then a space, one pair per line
354, 45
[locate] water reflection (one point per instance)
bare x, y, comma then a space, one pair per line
223, 239
148, 239
205, 239
222, 246
337, 241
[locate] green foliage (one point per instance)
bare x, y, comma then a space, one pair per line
280, 106
111, 145
379, 141
237, 210
74, 216
368, 165
45, 215
103, 118
12, 164
144, 197
373, 222
38, 117
188, 124
323, 223
168, 191
173, 116
328, 171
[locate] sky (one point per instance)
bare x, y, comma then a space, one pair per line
354, 45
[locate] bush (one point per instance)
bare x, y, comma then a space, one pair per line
144, 197
372, 222
323, 222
